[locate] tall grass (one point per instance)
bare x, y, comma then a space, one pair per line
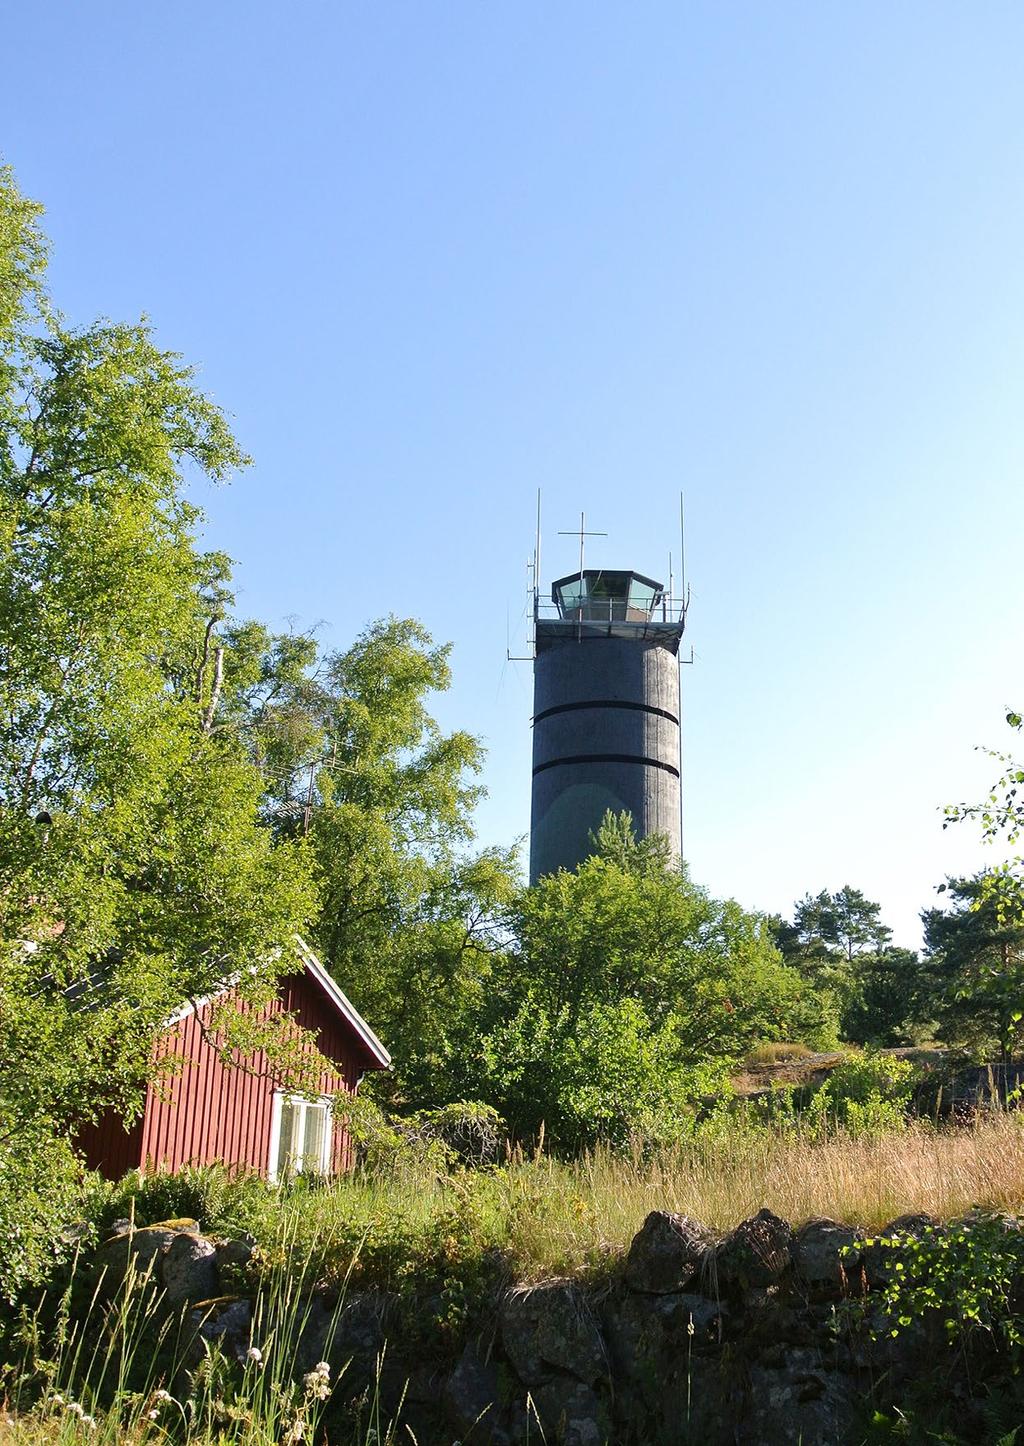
549, 1216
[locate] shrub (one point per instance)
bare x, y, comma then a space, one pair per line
965, 1276
471, 1132
208, 1193
40, 1198
868, 1093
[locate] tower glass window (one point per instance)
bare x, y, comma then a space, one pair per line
602, 596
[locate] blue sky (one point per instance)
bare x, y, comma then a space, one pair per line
433, 256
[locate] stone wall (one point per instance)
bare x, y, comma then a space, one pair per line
762, 1337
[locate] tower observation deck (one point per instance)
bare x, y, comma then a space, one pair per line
606, 713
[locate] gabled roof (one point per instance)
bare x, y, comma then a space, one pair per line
342, 1003
312, 966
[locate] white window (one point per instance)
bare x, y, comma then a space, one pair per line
300, 1137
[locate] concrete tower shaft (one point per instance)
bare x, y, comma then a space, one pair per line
606, 716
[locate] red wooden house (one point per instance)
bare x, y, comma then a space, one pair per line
209, 1111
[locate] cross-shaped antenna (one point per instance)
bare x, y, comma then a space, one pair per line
581, 534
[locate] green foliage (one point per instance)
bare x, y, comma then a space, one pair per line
626, 996
1001, 813
975, 952
867, 1094
839, 942
40, 1191
963, 1278
134, 872
611, 1076
205, 1193
354, 762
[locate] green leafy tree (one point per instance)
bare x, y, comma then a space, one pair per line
1001, 813
975, 952
839, 942
355, 766
407, 914
892, 999
627, 996
134, 872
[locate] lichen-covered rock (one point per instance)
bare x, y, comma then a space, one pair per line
801, 1402
472, 1398
756, 1253
571, 1413
139, 1250
881, 1255
550, 1327
649, 1337
236, 1252
227, 1321
188, 1269
826, 1256
666, 1253
349, 1333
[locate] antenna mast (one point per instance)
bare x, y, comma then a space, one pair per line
682, 558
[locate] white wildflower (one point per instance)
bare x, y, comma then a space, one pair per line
89, 1421
162, 1396
255, 1355
75, 1409
318, 1382
153, 1415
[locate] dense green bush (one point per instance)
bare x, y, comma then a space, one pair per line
867, 1093
41, 1196
964, 1279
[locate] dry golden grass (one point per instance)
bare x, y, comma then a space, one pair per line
552, 1217
601, 1200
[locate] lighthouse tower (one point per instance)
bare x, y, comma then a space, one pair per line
606, 714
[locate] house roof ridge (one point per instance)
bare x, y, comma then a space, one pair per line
330, 987
341, 1001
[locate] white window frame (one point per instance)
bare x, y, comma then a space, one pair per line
324, 1102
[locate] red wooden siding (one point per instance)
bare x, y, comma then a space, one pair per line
109, 1147
209, 1112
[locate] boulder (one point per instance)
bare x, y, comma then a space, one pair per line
188, 1269
649, 1337
472, 1398
826, 1256
139, 1250
547, 1328
756, 1253
803, 1402
236, 1253
349, 1333
666, 1253
227, 1321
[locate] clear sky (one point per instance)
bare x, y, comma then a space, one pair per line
435, 255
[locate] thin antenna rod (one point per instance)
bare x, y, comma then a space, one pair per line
536, 561
682, 554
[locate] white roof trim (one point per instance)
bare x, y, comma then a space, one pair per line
312, 966
342, 1003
